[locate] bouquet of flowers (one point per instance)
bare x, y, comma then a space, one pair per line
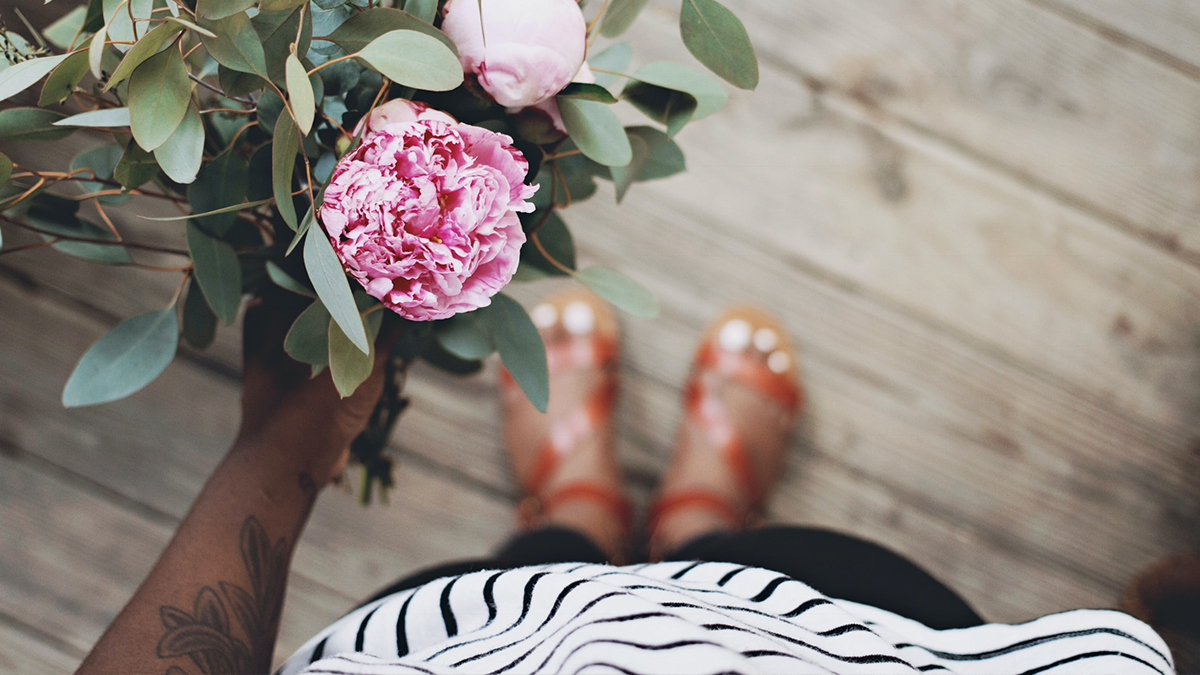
392, 163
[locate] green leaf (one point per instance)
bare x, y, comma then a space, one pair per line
468, 335
710, 95
624, 293
624, 176
521, 349
104, 117
191, 26
31, 124
308, 339
588, 92
413, 59
17, 78
329, 281
117, 20
205, 214
718, 40
305, 223
283, 159
615, 57
68, 224
219, 9
277, 31
439, 358
69, 27
620, 16
286, 281
360, 29
236, 83
159, 93
180, 155
300, 94
136, 167
96, 53
218, 271
348, 366
221, 184
425, 10
237, 45
556, 239
596, 131
655, 156
145, 48
124, 360
62, 81
6, 169
267, 110
199, 322
279, 5
102, 160
667, 106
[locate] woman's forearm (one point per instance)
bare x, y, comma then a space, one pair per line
211, 603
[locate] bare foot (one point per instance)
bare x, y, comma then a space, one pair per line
576, 430
723, 406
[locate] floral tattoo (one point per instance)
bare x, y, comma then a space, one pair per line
206, 634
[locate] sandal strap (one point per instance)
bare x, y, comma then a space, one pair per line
569, 432
698, 499
532, 510
753, 374
709, 415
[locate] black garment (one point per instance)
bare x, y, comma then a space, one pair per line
835, 564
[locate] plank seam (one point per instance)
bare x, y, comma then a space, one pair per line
37, 634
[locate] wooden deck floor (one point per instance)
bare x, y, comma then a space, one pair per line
980, 220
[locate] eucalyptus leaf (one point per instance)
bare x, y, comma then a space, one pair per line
267, 110
670, 107
180, 155
588, 92
360, 29
219, 9
596, 130
31, 124
68, 27
191, 26
283, 160
104, 117
237, 45
6, 169
62, 81
102, 161
439, 358
277, 31
615, 58
719, 40
159, 93
348, 365
468, 335
286, 281
624, 293
555, 237
145, 48
414, 59
329, 281
620, 16
279, 5
236, 83
233, 208
521, 349
19, 77
120, 27
710, 95
124, 360
60, 223
300, 94
218, 271
663, 156
305, 223
199, 322
220, 184
308, 339
96, 53
425, 10
136, 167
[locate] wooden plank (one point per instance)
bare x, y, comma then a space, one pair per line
1050, 101
1164, 29
22, 653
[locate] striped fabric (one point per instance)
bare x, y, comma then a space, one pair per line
694, 617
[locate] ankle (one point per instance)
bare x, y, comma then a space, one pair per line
675, 530
597, 522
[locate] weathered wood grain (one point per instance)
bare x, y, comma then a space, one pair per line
24, 654
1050, 101
1162, 29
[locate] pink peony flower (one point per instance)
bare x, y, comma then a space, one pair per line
524, 52
424, 213
549, 107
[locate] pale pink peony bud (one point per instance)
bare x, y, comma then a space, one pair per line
524, 52
401, 111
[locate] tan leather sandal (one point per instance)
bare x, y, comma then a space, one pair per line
748, 346
580, 332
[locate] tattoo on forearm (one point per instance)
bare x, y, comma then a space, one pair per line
207, 635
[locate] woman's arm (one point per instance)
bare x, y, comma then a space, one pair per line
212, 602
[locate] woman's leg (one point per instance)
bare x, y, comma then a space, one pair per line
840, 566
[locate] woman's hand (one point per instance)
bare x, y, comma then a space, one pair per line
284, 407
